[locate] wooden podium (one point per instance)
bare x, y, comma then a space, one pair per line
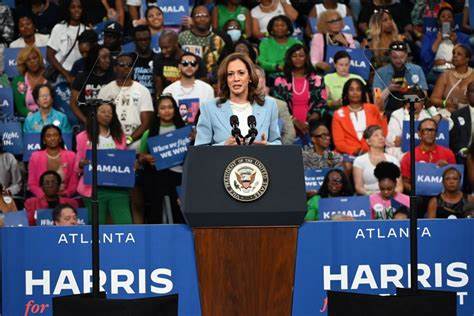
245, 251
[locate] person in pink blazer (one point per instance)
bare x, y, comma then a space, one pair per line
52, 156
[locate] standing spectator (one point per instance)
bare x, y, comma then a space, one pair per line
50, 182
388, 203
232, 9
133, 101
399, 12
52, 156
113, 38
363, 170
321, 156
155, 21
112, 201
143, 70
63, 46
7, 29
325, 5
45, 14
273, 48
10, 174
43, 95
350, 121
64, 215
31, 68
302, 88
461, 135
188, 87
28, 34
87, 45
330, 26
268, 9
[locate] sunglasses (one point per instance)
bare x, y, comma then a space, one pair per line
381, 11
186, 63
127, 65
334, 21
201, 15
398, 47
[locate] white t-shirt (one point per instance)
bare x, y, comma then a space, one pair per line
129, 102
61, 40
359, 122
264, 17
341, 8
371, 185
243, 111
106, 142
41, 40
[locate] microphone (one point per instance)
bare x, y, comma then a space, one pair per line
252, 123
236, 133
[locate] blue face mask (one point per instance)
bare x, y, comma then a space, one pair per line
234, 35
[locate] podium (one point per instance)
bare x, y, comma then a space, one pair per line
245, 204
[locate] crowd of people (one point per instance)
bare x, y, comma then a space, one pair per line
270, 58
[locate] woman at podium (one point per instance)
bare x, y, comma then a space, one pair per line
232, 118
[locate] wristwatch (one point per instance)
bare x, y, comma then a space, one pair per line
129, 140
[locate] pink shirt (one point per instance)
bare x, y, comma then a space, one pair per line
318, 45
379, 207
300, 98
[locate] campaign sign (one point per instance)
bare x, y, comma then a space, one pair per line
442, 135
62, 99
173, 10
170, 149
6, 102
357, 207
9, 60
314, 178
115, 168
471, 13
136, 261
429, 178
32, 142
15, 219
348, 25
188, 109
430, 24
372, 257
360, 58
44, 217
12, 137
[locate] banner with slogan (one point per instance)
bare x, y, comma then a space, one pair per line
356, 207
6, 103
44, 217
188, 108
32, 142
170, 149
15, 219
136, 261
429, 178
314, 178
442, 135
173, 10
360, 59
115, 168
372, 257
9, 60
430, 24
348, 25
12, 137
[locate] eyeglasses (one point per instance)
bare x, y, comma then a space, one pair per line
233, 28
44, 96
127, 65
201, 15
398, 47
326, 135
334, 21
186, 63
381, 11
428, 130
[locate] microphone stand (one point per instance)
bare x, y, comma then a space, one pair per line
95, 210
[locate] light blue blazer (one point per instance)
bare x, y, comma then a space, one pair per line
213, 127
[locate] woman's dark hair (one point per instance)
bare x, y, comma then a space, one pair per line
115, 127
466, 49
43, 134
177, 119
345, 91
370, 130
152, 7
314, 125
67, 14
445, 172
346, 188
226, 24
445, 8
387, 170
340, 55
48, 173
289, 67
250, 47
59, 208
37, 89
283, 18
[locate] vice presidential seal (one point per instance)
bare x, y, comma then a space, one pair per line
246, 179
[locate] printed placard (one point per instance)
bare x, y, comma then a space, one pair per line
429, 178
357, 207
115, 168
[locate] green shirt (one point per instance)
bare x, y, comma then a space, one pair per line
313, 209
224, 15
335, 83
273, 53
19, 95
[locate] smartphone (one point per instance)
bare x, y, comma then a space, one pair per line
445, 29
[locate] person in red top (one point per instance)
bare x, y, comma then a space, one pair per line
427, 151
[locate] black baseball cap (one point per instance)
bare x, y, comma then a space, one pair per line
113, 28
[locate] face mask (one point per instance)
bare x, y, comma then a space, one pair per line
234, 35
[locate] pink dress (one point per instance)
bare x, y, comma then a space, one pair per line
300, 98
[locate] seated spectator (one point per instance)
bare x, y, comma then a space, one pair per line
43, 95
301, 87
7, 204
335, 81
397, 10
63, 46
28, 34
10, 174
268, 9
112, 201
45, 14
87, 45
388, 202
64, 215
233, 29
52, 157
350, 121
437, 50
450, 89
451, 202
142, 71
50, 182
335, 184
326, 5
461, 134
232, 9
31, 68
274, 47
320, 156
245, 47
7, 30
428, 151
99, 10
392, 80
363, 168
330, 26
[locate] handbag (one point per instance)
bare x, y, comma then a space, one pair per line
51, 73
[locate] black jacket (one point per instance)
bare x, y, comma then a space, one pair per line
460, 134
